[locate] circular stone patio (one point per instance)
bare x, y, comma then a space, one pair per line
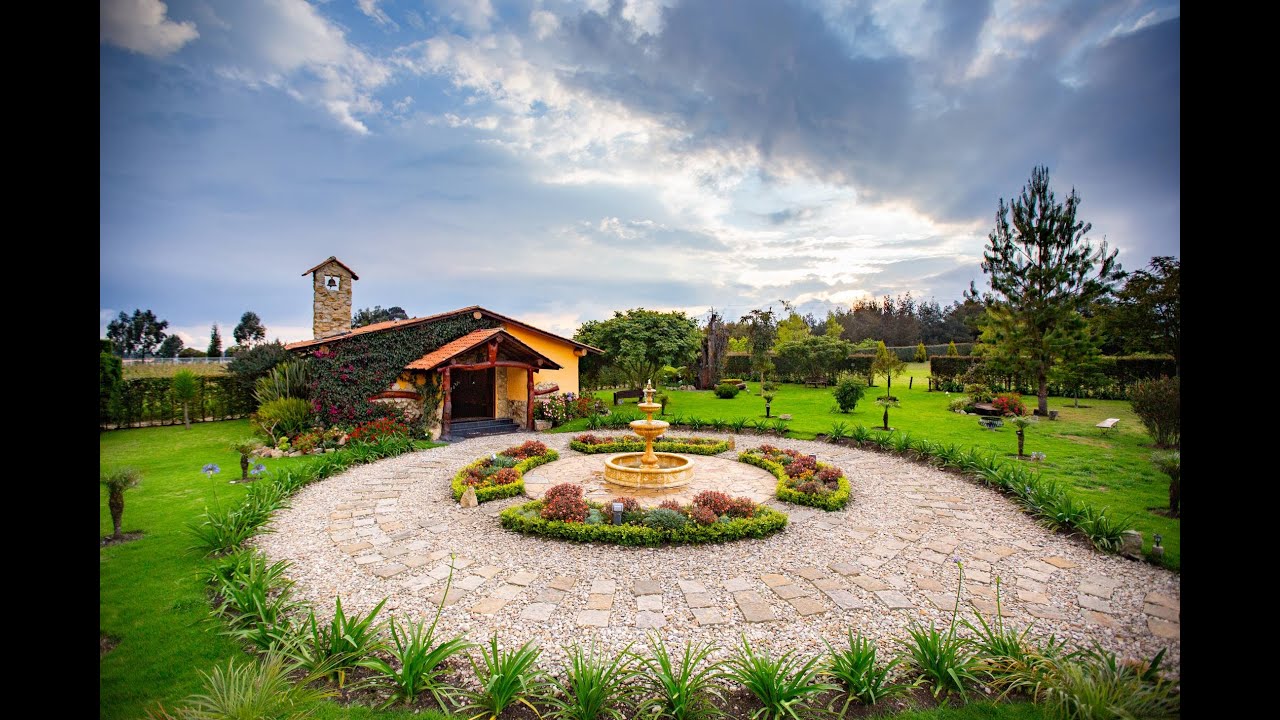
389, 530
709, 473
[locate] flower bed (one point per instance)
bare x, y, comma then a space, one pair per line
713, 517
588, 443
801, 479
501, 475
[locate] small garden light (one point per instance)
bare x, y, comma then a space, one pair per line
1158, 538
617, 513
1157, 550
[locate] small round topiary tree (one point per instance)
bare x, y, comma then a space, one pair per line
848, 391
117, 481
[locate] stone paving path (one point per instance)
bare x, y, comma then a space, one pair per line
392, 530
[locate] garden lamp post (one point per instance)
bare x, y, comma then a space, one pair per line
617, 513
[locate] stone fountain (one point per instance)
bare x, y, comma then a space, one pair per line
648, 469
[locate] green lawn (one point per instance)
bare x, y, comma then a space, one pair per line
149, 595
1112, 471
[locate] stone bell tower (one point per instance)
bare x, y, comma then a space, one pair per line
331, 305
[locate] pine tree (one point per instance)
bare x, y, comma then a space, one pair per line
951, 349
1043, 272
922, 354
215, 343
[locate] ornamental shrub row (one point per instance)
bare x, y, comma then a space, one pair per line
788, 488
527, 518
502, 474
593, 444
739, 365
1114, 379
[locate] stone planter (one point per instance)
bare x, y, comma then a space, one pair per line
541, 425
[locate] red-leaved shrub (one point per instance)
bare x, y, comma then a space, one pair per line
741, 507
672, 505
505, 476
629, 504
526, 450
703, 515
564, 502
1009, 404
716, 502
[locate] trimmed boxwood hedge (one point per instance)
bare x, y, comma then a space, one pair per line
831, 501
525, 519
669, 446
497, 492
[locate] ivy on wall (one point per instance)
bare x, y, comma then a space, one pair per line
347, 373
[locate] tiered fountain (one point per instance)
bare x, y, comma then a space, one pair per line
648, 469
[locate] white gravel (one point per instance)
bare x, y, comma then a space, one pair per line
892, 540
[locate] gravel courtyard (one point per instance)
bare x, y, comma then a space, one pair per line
389, 530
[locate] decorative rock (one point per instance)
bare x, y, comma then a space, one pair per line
469, 498
1131, 544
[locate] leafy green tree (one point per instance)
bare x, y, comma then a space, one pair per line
215, 343
376, 314
832, 327
848, 391
191, 353
1043, 273
250, 331
116, 482
639, 342
171, 347
793, 329
1147, 314
816, 357
186, 389
889, 365
739, 344
952, 351
762, 330
137, 334
110, 383
922, 354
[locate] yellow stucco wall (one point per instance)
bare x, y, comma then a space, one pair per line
557, 350
517, 383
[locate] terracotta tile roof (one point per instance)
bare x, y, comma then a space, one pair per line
470, 341
390, 324
333, 259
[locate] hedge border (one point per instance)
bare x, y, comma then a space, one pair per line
830, 502
670, 446
498, 492
764, 523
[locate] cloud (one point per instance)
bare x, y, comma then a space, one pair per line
141, 26
292, 47
371, 9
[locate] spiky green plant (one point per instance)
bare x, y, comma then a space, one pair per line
856, 669
596, 687
506, 678
249, 689
683, 688
783, 685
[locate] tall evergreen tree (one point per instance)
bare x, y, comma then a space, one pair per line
215, 342
1043, 272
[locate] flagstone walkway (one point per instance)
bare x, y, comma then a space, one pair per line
390, 530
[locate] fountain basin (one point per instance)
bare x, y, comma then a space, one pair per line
628, 469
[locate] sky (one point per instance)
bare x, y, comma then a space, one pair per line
557, 160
